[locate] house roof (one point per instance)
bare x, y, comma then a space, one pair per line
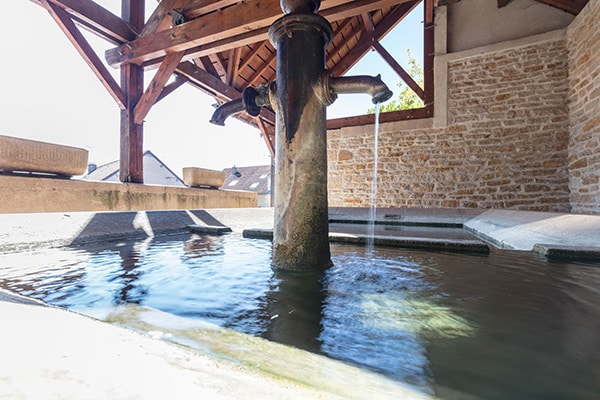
253, 179
110, 170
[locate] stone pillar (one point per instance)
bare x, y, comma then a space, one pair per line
301, 230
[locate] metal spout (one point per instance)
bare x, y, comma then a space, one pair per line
227, 109
372, 85
251, 101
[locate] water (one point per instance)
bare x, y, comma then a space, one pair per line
506, 326
373, 195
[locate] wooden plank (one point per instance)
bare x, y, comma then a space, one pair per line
408, 80
161, 17
243, 19
86, 51
217, 63
156, 86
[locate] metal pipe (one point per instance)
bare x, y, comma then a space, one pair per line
227, 109
251, 101
372, 85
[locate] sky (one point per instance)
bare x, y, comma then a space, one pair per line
48, 93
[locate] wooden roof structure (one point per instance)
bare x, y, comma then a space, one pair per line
221, 47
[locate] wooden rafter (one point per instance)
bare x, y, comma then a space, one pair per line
365, 42
266, 64
244, 19
233, 65
87, 52
218, 66
97, 19
408, 80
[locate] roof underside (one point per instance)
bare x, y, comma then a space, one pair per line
221, 47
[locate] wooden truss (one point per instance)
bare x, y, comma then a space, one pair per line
220, 47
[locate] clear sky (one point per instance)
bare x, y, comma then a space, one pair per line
48, 93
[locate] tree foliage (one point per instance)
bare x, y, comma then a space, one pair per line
406, 99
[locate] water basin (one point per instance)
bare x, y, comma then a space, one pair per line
505, 325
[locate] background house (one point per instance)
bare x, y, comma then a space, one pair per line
155, 172
253, 179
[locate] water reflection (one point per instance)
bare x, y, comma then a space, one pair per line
127, 277
294, 303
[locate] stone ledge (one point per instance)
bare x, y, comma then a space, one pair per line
32, 156
210, 229
33, 195
454, 245
580, 253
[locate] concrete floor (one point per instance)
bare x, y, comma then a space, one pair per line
52, 353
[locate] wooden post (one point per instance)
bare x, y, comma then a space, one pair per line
132, 84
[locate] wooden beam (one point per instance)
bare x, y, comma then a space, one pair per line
156, 86
571, 6
131, 162
161, 17
265, 134
428, 52
410, 82
209, 83
86, 51
96, 18
233, 65
217, 63
196, 8
171, 87
369, 119
249, 19
365, 42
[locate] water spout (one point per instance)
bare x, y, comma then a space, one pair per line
251, 101
226, 110
372, 85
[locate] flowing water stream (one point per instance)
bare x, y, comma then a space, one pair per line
373, 194
510, 325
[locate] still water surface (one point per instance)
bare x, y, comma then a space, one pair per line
510, 325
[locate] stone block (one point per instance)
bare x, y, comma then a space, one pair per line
23, 155
201, 177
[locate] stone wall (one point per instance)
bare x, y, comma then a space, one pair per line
584, 108
504, 144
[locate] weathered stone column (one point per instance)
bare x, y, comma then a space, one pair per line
301, 230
